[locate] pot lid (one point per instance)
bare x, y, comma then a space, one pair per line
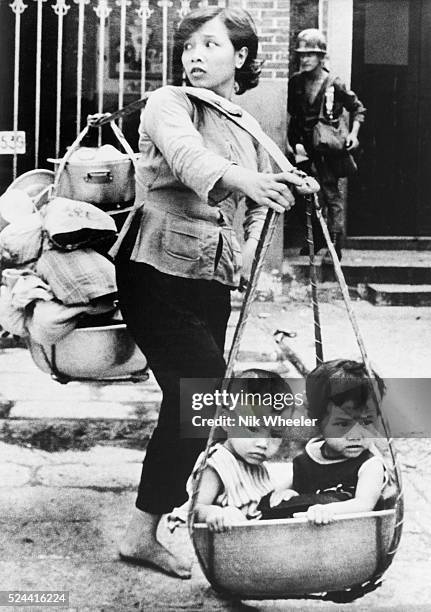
33, 182
84, 155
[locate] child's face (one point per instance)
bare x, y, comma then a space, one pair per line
348, 429
255, 447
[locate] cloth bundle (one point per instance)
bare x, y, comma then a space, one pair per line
22, 242
52, 281
77, 277
71, 224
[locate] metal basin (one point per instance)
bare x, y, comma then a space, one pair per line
91, 353
275, 559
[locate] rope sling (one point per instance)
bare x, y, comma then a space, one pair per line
249, 124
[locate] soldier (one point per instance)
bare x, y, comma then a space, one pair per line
313, 91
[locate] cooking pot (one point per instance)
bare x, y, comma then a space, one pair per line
100, 175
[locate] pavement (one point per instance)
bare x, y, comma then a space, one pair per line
62, 513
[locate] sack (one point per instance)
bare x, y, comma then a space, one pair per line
77, 277
329, 134
328, 139
22, 241
71, 224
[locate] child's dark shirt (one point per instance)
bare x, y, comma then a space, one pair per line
313, 473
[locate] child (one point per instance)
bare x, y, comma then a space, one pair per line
340, 470
337, 473
236, 476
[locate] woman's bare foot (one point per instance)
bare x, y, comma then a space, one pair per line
140, 546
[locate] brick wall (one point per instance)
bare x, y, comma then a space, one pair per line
278, 23
273, 21
272, 18
303, 14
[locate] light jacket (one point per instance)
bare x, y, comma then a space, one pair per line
186, 148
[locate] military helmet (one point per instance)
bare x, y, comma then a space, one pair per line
311, 41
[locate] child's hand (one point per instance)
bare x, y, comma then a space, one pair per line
221, 519
320, 514
281, 495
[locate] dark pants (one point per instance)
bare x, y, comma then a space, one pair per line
330, 198
330, 195
180, 326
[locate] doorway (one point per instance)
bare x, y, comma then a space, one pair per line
391, 73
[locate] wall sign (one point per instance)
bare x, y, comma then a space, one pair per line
12, 142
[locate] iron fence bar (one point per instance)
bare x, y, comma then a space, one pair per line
60, 9
123, 4
38, 82
102, 11
165, 4
79, 61
144, 13
18, 7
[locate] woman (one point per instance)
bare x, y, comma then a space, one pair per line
175, 285
308, 89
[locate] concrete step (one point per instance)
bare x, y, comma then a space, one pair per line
367, 266
398, 295
384, 243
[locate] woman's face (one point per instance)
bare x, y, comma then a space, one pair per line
210, 59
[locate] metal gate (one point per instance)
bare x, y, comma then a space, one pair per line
62, 60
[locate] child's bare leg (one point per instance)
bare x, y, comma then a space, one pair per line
140, 545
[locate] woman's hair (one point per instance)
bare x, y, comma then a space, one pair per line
339, 380
241, 31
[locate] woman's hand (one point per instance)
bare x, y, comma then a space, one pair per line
263, 188
268, 189
271, 189
277, 183
352, 142
221, 519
